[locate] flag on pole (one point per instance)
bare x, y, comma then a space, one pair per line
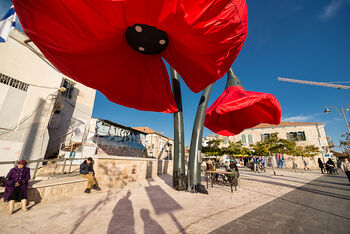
7, 23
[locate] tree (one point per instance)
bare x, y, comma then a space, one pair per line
273, 144
236, 148
306, 151
213, 148
346, 144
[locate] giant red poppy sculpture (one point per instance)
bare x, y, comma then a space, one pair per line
237, 109
117, 46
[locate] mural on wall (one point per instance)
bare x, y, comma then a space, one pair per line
119, 136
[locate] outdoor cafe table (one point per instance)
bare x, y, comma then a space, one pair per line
209, 173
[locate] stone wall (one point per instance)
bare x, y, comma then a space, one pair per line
312, 162
110, 171
50, 190
115, 171
288, 162
115, 150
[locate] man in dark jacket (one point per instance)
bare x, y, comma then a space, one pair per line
87, 172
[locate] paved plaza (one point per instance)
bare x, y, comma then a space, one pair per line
302, 202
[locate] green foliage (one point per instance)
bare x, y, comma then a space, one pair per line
346, 144
264, 148
261, 148
236, 148
213, 148
274, 145
306, 151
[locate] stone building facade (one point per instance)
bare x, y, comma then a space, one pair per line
157, 145
303, 133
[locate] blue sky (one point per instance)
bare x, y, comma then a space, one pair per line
299, 39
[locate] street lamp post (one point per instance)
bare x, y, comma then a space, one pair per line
341, 111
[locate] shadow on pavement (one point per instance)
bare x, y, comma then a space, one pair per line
168, 179
302, 210
123, 217
298, 181
163, 204
86, 212
307, 189
150, 225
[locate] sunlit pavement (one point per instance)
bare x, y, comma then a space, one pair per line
320, 206
154, 207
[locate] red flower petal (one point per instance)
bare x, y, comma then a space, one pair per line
86, 41
237, 109
76, 40
203, 51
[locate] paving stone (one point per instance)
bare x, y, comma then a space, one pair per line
154, 206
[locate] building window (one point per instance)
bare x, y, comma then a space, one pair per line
296, 136
265, 136
244, 139
225, 140
69, 89
13, 82
250, 139
161, 145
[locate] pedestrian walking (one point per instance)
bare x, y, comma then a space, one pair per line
330, 166
321, 165
256, 163
87, 171
306, 165
16, 185
346, 168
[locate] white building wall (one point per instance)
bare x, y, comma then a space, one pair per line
26, 114
72, 123
157, 146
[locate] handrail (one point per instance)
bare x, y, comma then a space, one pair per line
38, 161
60, 144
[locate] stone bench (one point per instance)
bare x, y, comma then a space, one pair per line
51, 189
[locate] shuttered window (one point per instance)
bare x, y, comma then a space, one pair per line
250, 138
244, 140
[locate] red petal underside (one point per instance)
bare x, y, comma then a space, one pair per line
86, 41
237, 109
85, 45
206, 39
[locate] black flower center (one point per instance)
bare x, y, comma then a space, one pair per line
146, 39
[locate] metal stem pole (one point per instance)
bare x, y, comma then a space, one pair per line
232, 79
179, 137
346, 121
196, 140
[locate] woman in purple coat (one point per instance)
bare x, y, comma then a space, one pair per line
16, 183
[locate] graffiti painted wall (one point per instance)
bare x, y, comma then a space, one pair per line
115, 139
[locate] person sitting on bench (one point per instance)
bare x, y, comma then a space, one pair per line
87, 172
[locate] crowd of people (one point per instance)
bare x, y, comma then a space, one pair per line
332, 168
16, 183
256, 165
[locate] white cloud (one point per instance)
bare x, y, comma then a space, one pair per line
301, 118
332, 8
